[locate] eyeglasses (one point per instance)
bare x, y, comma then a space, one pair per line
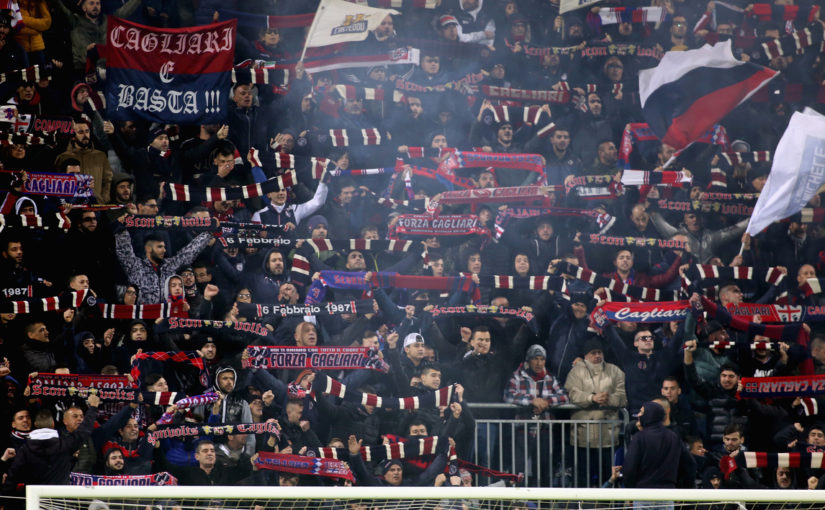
245, 295
679, 23
646, 338
130, 291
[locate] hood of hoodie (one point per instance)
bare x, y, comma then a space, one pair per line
21, 202
219, 372
654, 414
43, 441
166, 286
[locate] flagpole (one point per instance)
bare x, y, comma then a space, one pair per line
321, 7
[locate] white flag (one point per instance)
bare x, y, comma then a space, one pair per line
572, 5
338, 21
797, 173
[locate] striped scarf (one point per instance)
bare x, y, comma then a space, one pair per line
27, 139
755, 345
752, 460
27, 74
62, 301
403, 449
247, 19
503, 216
771, 275
189, 193
434, 399
354, 137
149, 312
41, 222
300, 272
428, 152
465, 159
596, 280
261, 76
794, 43
664, 178
737, 158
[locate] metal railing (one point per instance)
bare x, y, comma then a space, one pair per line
547, 451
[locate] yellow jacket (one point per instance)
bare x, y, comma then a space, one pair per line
36, 20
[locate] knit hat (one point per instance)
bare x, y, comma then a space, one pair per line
708, 328
387, 464
155, 132
447, 20
317, 220
5, 19
592, 344
534, 351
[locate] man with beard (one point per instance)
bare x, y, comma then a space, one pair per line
607, 157
592, 128
92, 161
149, 272
89, 27
264, 285
559, 157
16, 278
122, 193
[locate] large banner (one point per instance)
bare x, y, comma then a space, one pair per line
180, 76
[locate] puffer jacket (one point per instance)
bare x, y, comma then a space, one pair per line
36, 20
705, 244
141, 272
584, 380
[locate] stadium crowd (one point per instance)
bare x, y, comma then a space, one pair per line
537, 347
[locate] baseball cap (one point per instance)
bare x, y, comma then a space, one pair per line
413, 338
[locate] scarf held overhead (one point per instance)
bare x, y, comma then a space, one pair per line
316, 358
302, 465
179, 431
777, 387
108, 387
434, 399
